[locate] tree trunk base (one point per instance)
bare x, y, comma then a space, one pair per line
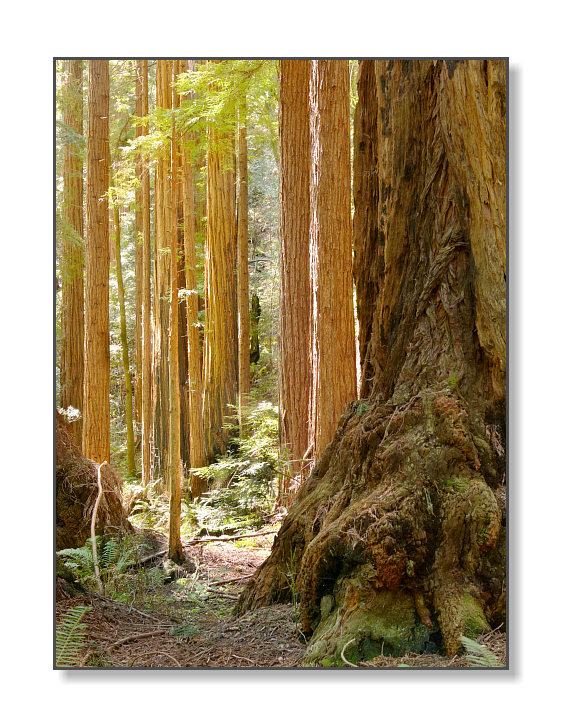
76, 493
397, 539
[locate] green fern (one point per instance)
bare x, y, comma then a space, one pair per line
80, 561
115, 558
70, 635
478, 655
110, 554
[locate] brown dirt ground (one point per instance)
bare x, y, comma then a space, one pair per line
126, 636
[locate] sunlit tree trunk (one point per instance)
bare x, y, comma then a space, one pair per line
72, 261
242, 270
95, 433
196, 439
138, 253
146, 380
398, 538
220, 362
181, 66
175, 464
124, 345
163, 211
333, 337
295, 380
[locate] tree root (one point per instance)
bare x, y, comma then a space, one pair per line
395, 524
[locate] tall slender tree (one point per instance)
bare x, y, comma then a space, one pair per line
138, 252
72, 304
146, 379
196, 438
95, 433
295, 380
242, 268
333, 337
124, 343
175, 463
163, 210
220, 362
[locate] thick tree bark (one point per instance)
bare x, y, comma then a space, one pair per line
295, 381
146, 381
242, 270
332, 335
398, 536
72, 261
220, 358
95, 432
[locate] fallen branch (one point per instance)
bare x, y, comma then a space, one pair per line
150, 557
342, 653
222, 593
124, 607
230, 581
134, 637
212, 539
155, 652
93, 526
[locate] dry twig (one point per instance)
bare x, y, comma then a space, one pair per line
155, 652
134, 637
93, 526
342, 653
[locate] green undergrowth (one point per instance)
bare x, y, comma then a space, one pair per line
116, 560
242, 485
243, 482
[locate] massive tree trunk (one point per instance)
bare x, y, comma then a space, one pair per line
398, 536
72, 262
295, 289
95, 429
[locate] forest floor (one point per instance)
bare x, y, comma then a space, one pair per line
189, 622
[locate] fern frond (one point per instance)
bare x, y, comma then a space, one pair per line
110, 554
70, 635
479, 655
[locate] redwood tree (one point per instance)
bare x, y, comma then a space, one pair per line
295, 380
175, 468
196, 438
242, 268
131, 471
95, 433
163, 233
397, 537
72, 259
220, 359
146, 379
332, 335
